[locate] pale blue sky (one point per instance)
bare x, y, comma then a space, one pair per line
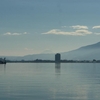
36, 26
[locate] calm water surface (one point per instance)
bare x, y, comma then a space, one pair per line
33, 81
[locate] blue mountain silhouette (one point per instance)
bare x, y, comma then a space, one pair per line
88, 52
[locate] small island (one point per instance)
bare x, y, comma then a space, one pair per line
2, 61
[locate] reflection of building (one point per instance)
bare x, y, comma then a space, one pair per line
57, 68
57, 58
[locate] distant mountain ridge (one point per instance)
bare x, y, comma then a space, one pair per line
92, 46
88, 52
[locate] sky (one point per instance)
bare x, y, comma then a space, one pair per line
47, 26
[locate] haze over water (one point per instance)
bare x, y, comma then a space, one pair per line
36, 81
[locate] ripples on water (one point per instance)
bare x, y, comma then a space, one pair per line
36, 81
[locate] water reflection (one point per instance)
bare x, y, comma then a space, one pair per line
80, 82
57, 68
2, 67
56, 82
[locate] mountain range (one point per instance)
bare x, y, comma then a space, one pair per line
88, 52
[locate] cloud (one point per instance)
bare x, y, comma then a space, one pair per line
75, 33
25, 33
63, 26
97, 33
96, 27
28, 49
79, 27
9, 33
15, 34
47, 51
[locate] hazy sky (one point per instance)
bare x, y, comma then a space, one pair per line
39, 26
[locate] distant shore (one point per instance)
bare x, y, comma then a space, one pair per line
51, 61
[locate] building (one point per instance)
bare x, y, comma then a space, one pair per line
57, 58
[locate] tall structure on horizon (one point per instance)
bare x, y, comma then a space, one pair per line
57, 58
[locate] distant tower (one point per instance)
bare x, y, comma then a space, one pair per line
57, 58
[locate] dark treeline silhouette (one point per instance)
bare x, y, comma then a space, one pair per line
53, 61
57, 60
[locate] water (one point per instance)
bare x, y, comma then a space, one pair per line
44, 81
